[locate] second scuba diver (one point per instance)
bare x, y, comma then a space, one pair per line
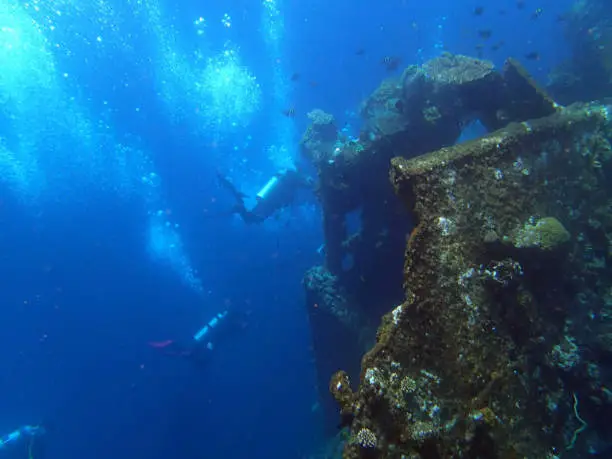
278, 192
24, 442
203, 342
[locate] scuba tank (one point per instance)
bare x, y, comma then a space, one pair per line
212, 323
268, 188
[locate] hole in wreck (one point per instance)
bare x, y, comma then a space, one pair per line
471, 131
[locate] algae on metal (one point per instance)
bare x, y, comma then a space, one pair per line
483, 359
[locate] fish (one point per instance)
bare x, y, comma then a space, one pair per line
485, 34
533, 56
520, 4
290, 112
295, 76
360, 52
478, 11
497, 45
391, 63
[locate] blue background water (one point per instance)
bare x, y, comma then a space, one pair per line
99, 257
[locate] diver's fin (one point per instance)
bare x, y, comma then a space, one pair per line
225, 183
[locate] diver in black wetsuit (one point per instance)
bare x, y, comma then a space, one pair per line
277, 193
200, 347
25, 442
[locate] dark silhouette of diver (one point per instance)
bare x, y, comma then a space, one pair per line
278, 192
25, 442
200, 347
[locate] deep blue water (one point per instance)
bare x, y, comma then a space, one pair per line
84, 291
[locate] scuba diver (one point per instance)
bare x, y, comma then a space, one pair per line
24, 442
278, 192
203, 341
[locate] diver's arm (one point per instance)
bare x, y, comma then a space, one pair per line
304, 179
298, 178
307, 181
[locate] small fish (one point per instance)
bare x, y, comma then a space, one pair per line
360, 52
520, 4
485, 34
479, 49
497, 45
536, 14
478, 10
399, 106
533, 56
290, 112
391, 63
295, 76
